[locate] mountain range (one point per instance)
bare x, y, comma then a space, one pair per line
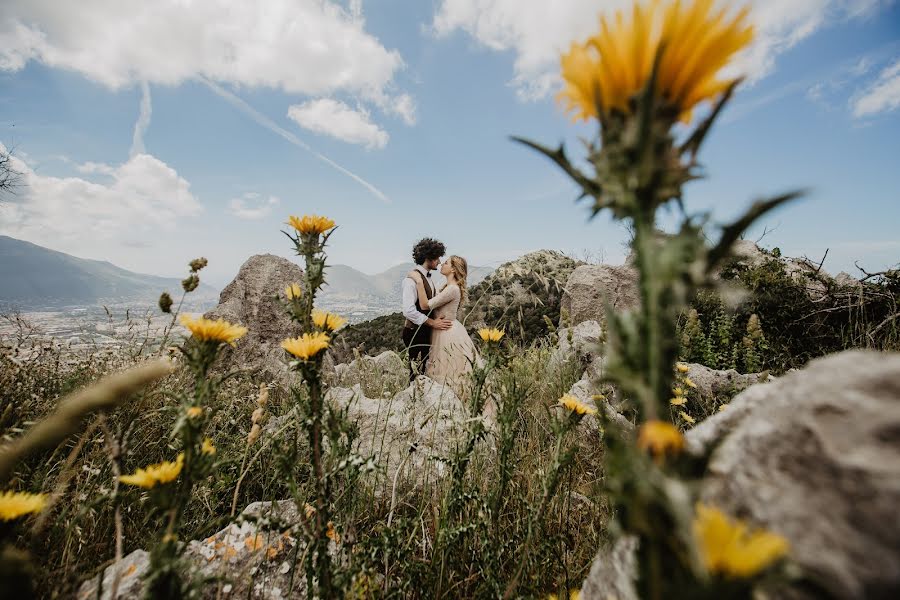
34, 278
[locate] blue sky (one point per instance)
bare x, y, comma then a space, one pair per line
393, 118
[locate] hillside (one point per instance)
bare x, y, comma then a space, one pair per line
35, 277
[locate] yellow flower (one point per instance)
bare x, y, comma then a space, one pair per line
722, 407
194, 412
491, 335
678, 401
307, 345
615, 64
575, 405
148, 477
688, 382
728, 548
659, 439
293, 291
17, 504
208, 330
311, 224
687, 418
327, 320
678, 391
682, 368
208, 447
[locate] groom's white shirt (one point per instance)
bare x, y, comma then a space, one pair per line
409, 295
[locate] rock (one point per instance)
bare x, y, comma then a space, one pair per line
251, 300
715, 387
815, 457
586, 391
583, 340
379, 376
251, 558
613, 574
588, 285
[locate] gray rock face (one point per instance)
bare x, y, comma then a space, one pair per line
252, 558
613, 574
251, 300
588, 285
714, 386
379, 376
815, 457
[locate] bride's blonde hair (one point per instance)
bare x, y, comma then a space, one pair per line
460, 269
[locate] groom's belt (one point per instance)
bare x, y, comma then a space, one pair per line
410, 325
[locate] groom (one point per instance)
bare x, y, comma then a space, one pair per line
427, 254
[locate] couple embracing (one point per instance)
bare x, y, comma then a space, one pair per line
438, 343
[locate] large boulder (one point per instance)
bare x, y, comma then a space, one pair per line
589, 285
378, 376
716, 387
815, 457
252, 300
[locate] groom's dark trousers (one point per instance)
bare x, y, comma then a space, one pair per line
417, 340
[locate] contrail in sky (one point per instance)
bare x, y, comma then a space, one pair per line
140, 127
275, 128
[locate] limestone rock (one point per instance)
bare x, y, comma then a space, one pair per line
251, 300
588, 285
251, 558
385, 373
715, 386
815, 456
613, 573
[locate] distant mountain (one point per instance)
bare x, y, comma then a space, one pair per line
347, 288
33, 277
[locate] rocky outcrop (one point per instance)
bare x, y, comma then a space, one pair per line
252, 300
378, 376
251, 558
715, 387
815, 457
589, 286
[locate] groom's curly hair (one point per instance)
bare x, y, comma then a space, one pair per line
427, 249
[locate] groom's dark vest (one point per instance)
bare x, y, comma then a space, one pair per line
429, 293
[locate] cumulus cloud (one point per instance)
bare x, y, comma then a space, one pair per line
536, 31
336, 119
252, 206
136, 201
300, 46
881, 96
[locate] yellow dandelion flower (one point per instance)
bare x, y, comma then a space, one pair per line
332, 534
207, 447
687, 418
194, 412
729, 548
678, 391
311, 224
209, 330
307, 345
574, 594
614, 65
682, 368
293, 291
660, 439
327, 320
149, 476
491, 334
678, 401
688, 382
575, 405
18, 504
722, 407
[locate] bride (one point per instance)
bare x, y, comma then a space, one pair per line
452, 351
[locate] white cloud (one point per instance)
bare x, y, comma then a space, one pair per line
338, 120
882, 96
310, 47
141, 199
252, 206
536, 31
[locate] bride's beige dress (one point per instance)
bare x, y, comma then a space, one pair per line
452, 351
